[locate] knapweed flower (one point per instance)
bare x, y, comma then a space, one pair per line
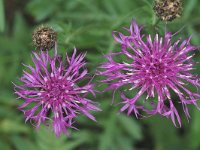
158, 68
168, 10
52, 93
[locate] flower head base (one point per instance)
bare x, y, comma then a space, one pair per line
44, 38
52, 86
158, 68
168, 10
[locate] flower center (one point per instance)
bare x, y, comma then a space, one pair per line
157, 70
57, 90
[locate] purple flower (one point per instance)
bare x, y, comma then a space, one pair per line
157, 68
52, 93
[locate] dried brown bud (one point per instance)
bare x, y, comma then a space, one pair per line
44, 38
168, 10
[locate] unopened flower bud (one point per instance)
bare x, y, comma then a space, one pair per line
44, 38
168, 10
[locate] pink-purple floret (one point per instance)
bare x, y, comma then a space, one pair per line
156, 68
52, 87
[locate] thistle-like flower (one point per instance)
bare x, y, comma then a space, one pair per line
52, 92
157, 68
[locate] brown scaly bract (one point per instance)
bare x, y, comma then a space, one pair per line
44, 38
168, 10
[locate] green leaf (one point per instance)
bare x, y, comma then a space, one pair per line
78, 138
107, 138
4, 145
130, 126
21, 32
195, 130
162, 130
46, 140
124, 143
2, 18
12, 126
22, 143
189, 7
195, 38
36, 8
7, 98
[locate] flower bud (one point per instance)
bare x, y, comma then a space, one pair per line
168, 10
44, 38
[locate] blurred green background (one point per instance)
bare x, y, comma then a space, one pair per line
87, 24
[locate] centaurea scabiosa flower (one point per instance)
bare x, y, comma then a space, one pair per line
157, 68
51, 91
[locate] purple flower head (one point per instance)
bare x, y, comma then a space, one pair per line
157, 68
51, 91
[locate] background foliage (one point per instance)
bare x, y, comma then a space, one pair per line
87, 24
